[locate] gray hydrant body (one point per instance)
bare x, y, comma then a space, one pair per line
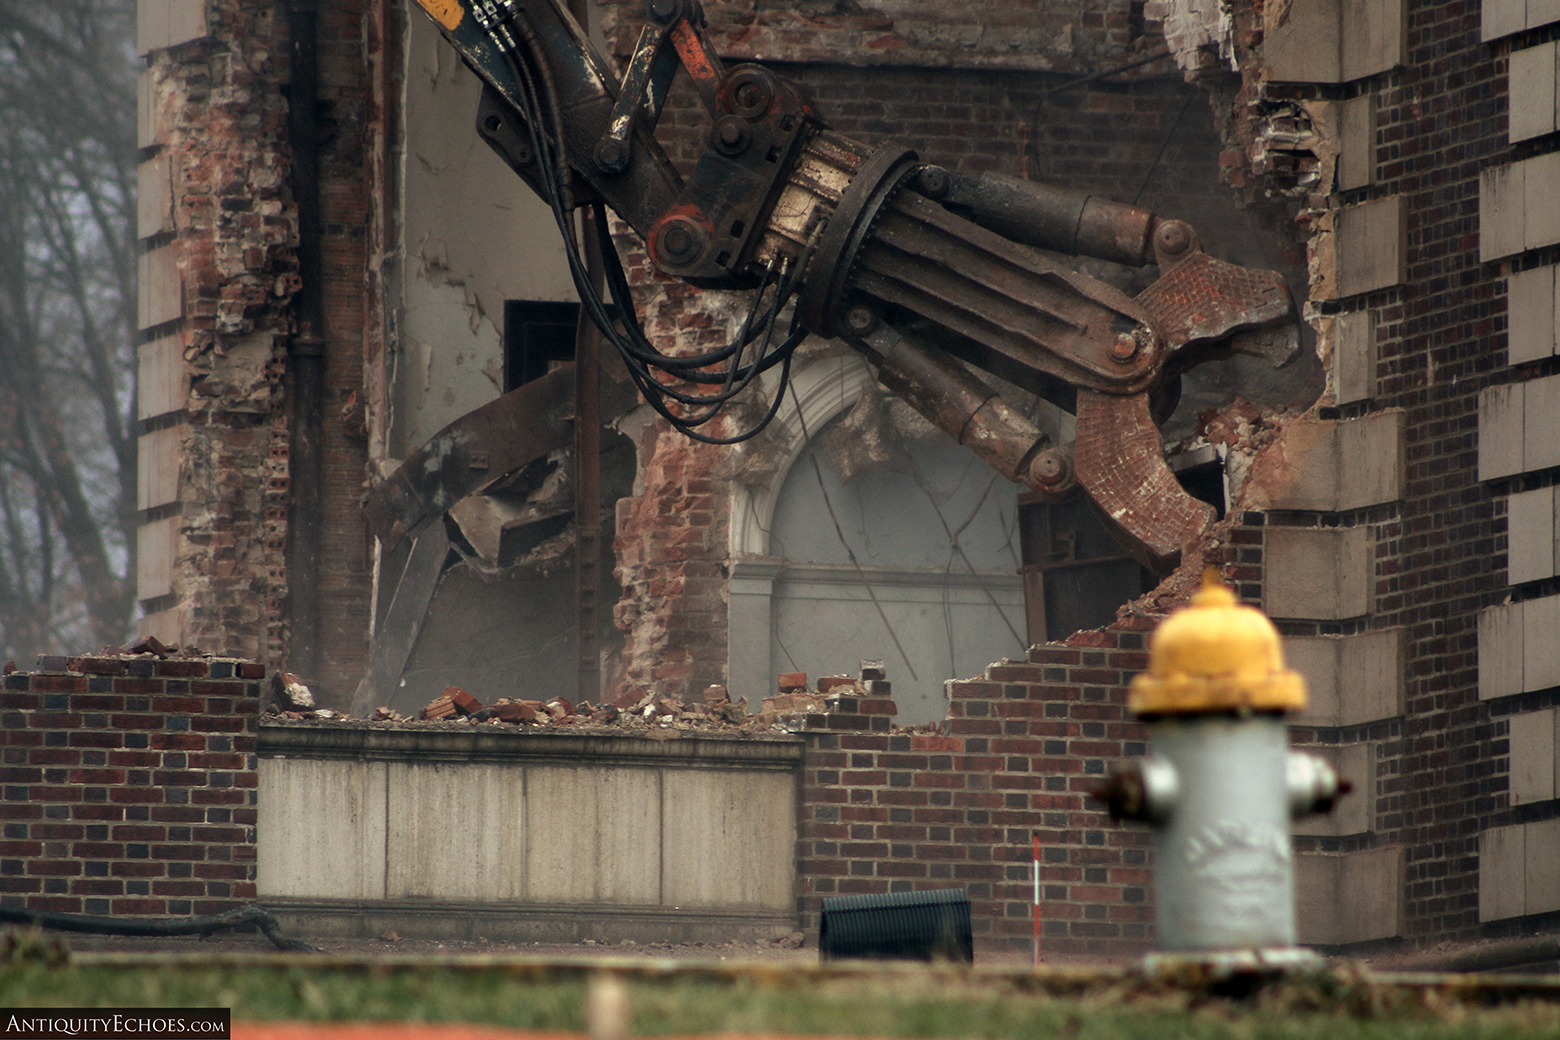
1220, 785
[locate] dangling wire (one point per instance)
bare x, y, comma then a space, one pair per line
724, 368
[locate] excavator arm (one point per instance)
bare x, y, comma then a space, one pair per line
930, 274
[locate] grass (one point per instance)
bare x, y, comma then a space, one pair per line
936, 1004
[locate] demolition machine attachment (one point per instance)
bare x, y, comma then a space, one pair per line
929, 273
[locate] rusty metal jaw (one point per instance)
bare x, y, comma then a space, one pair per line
1120, 461
915, 247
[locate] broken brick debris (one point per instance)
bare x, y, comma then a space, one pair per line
839, 702
439, 708
791, 682
147, 645
290, 692
507, 710
464, 702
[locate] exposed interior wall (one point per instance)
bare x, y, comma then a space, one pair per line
465, 236
472, 236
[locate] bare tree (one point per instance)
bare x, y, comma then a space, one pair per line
67, 322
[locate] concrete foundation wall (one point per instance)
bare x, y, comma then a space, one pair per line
458, 832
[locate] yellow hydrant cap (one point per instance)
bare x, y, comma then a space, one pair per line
1215, 655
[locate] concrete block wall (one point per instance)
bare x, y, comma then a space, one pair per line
129, 785
563, 837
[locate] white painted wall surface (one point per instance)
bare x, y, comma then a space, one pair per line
472, 236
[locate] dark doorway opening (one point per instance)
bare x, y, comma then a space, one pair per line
538, 334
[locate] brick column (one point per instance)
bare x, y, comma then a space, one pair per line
129, 785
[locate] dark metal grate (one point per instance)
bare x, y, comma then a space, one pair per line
898, 926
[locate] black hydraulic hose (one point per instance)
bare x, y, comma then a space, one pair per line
544, 120
254, 914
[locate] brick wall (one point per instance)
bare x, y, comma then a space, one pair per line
1439, 342
1441, 339
954, 806
129, 785
1435, 337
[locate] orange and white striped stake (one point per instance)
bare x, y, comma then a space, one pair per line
1036, 835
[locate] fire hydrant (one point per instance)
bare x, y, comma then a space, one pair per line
1220, 785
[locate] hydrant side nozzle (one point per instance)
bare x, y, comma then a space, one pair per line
1314, 785
1145, 790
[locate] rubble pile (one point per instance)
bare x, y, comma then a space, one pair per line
787, 711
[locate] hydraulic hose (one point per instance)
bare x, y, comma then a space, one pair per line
254, 914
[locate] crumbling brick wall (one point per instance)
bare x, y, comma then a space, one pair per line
671, 547
215, 121
977, 90
129, 785
220, 224
956, 806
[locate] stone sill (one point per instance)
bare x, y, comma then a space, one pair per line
436, 742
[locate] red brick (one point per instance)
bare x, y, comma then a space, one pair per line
132, 907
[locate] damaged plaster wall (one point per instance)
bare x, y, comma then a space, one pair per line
473, 236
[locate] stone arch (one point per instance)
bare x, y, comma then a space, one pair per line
771, 587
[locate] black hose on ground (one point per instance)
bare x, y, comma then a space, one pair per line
254, 914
